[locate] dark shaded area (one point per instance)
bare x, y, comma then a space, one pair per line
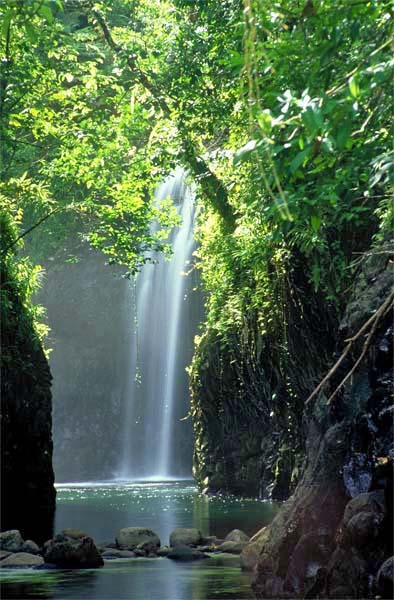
27, 491
335, 532
247, 397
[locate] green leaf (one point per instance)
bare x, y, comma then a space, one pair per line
299, 160
31, 32
6, 23
343, 134
315, 222
354, 88
46, 12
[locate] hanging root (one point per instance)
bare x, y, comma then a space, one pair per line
371, 323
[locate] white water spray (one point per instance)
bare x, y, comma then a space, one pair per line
153, 441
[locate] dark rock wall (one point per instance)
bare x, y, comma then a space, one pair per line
27, 491
247, 398
334, 533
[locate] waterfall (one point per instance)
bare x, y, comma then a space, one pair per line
156, 443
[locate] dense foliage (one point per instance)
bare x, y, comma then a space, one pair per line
280, 113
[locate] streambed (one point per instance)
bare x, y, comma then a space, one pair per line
101, 509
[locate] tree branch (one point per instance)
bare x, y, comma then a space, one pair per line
211, 185
372, 321
27, 231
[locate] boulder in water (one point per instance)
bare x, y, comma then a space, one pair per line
30, 547
130, 538
72, 552
116, 553
185, 537
252, 549
21, 559
230, 547
236, 535
11, 541
385, 578
185, 553
371, 502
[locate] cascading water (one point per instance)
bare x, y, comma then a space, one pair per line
156, 443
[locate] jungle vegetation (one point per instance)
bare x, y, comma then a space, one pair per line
280, 112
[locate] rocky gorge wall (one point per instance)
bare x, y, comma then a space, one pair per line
27, 490
246, 391
332, 460
333, 537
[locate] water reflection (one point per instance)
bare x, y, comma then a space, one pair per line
102, 509
136, 579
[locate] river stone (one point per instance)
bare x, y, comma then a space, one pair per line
74, 534
236, 535
211, 548
21, 559
185, 537
4, 554
252, 549
11, 541
30, 547
231, 547
371, 502
385, 579
72, 552
149, 546
211, 540
115, 553
185, 553
130, 538
363, 528
163, 551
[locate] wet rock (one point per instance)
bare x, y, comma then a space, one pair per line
130, 538
347, 575
115, 553
211, 540
72, 552
106, 545
185, 537
212, 548
385, 579
21, 559
236, 535
185, 553
74, 534
4, 554
372, 502
363, 528
310, 554
149, 546
11, 540
30, 547
231, 547
252, 550
163, 551
357, 474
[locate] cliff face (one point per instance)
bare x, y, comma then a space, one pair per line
246, 391
335, 531
27, 491
333, 458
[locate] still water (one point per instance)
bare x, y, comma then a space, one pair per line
102, 509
